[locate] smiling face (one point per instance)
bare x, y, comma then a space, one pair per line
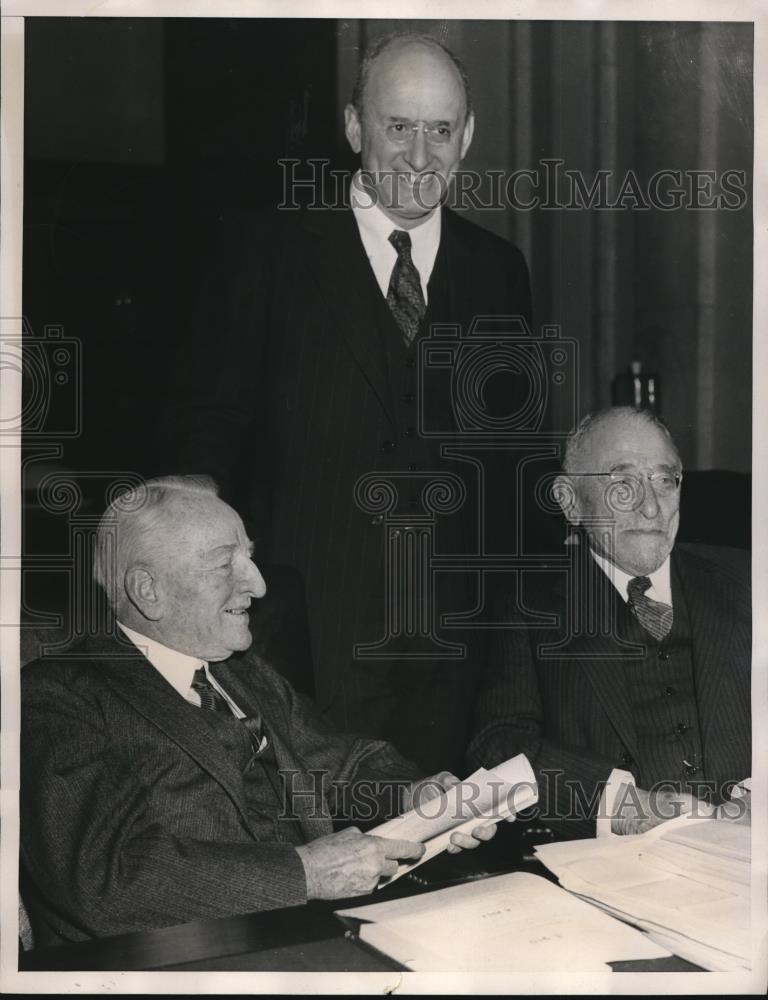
204, 578
628, 521
410, 83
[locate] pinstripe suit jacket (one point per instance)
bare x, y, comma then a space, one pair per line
133, 814
565, 701
294, 401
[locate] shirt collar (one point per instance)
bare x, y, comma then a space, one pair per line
375, 226
177, 668
660, 589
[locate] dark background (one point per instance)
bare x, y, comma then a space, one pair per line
141, 133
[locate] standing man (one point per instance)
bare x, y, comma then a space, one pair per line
309, 379
645, 668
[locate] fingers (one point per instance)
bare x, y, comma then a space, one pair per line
469, 841
399, 848
389, 868
446, 779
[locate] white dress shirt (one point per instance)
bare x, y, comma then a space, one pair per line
177, 668
375, 228
660, 589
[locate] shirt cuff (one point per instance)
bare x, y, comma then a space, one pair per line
742, 789
617, 779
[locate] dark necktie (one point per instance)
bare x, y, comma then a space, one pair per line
654, 616
213, 701
405, 297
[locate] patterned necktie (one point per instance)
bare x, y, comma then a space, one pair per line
405, 297
654, 616
210, 698
213, 701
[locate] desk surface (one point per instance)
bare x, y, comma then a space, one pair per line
307, 938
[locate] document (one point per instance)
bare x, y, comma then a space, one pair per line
509, 923
686, 882
486, 795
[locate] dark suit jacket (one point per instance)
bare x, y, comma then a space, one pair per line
133, 814
568, 708
294, 400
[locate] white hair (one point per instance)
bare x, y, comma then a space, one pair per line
592, 421
129, 526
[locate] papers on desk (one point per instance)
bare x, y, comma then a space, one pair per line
509, 923
490, 795
686, 882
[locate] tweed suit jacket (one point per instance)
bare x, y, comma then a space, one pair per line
133, 813
292, 399
565, 702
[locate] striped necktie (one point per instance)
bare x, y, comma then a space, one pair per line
210, 699
654, 616
213, 701
405, 297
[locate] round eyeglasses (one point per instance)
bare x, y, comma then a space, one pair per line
405, 131
625, 491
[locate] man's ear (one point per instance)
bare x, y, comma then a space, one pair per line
141, 589
564, 493
352, 128
466, 136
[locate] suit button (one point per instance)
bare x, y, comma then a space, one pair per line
681, 728
412, 467
410, 432
387, 446
670, 691
663, 654
377, 519
410, 362
626, 758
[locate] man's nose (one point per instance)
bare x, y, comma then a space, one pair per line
650, 505
417, 151
254, 581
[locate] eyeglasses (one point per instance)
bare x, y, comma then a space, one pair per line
627, 489
405, 131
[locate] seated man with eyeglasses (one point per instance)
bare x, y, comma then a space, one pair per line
623, 671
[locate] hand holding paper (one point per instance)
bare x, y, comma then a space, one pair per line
435, 785
466, 813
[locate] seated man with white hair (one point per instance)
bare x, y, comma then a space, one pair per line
165, 775
623, 675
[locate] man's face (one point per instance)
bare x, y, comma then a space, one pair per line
638, 520
206, 579
409, 84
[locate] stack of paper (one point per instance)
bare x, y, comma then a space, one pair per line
509, 923
686, 882
483, 798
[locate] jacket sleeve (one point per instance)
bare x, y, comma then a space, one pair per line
509, 719
107, 856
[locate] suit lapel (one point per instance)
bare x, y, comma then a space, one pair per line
138, 683
260, 699
334, 249
595, 643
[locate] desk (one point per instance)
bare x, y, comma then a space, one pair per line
305, 938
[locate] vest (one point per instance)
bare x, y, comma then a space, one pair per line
662, 694
262, 785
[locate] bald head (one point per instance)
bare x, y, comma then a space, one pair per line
410, 121
384, 55
622, 487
